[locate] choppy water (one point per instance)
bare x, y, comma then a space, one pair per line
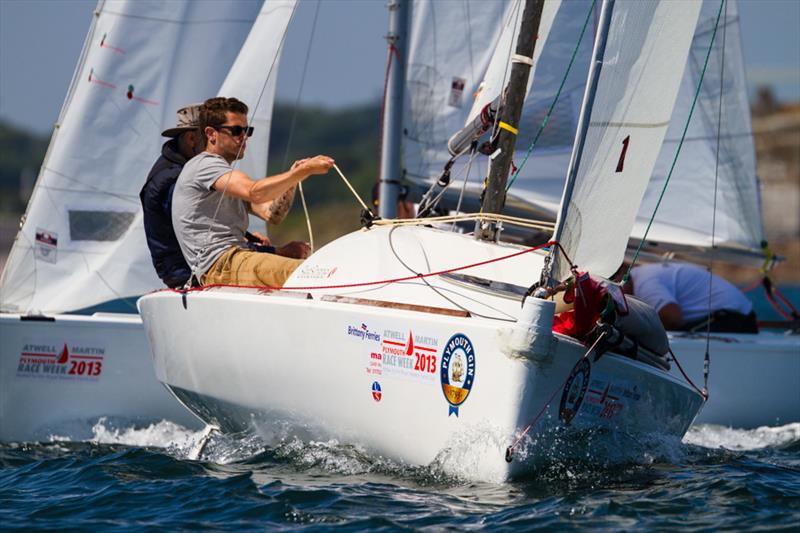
133, 479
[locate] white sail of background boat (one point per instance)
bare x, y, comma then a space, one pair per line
82, 241
367, 350
683, 223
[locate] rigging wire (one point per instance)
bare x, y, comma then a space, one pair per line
555, 100
294, 123
707, 356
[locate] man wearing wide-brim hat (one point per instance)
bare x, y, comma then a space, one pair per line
185, 141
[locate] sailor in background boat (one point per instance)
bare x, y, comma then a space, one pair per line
212, 200
680, 294
186, 141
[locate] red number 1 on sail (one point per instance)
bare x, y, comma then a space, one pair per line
621, 161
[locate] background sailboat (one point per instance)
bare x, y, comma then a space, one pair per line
82, 242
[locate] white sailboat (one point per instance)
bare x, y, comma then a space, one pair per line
82, 242
753, 378
376, 346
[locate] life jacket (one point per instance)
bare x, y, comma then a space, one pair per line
156, 197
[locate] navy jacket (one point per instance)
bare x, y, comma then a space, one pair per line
156, 196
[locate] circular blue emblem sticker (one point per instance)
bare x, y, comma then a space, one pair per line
574, 390
457, 371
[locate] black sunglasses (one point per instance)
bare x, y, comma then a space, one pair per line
237, 131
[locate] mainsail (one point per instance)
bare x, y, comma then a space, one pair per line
82, 242
639, 57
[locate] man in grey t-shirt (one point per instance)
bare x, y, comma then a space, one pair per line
212, 200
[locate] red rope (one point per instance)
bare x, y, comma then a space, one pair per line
369, 283
703, 393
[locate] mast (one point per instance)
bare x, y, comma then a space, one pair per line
580, 137
510, 113
393, 110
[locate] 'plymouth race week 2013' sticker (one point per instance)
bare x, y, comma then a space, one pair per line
47, 360
406, 355
457, 372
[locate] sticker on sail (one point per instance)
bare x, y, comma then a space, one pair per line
408, 355
457, 92
46, 246
574, 390
457, 371
376, 391
47, 360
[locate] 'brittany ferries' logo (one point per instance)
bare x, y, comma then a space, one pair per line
363, 333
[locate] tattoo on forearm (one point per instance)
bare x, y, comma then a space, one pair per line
280, 206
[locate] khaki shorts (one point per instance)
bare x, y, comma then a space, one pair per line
244, 267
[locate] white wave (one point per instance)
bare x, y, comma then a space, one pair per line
162, 434
712, 436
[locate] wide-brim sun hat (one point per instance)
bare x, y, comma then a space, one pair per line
188, 120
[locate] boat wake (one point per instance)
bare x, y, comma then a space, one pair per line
713, 436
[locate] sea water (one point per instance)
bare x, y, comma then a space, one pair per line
132, 479
149, 478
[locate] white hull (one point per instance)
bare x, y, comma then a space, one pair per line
106, 372
754, 380
247, 360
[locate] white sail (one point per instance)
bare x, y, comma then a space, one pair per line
82, 242
542, 178
253, 77
450, 47
627, 110
499, 68
685, 214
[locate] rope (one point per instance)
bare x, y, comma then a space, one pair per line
510, 449
491, 217
308, 217
704, 392
680, 145
370, 283
555, 100
352, 190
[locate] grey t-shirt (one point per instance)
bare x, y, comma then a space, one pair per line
202, 236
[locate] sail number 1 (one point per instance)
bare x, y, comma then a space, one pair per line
621, 161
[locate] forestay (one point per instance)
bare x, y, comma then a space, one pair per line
627, 110
82, 242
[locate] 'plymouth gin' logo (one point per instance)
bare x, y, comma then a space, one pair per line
457, 371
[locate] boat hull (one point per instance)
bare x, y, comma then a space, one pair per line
372, 376
59, 376
754, 380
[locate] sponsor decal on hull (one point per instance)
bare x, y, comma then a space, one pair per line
74, 362
607, 398
364, 333
376, 391
574, 391
457, 371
